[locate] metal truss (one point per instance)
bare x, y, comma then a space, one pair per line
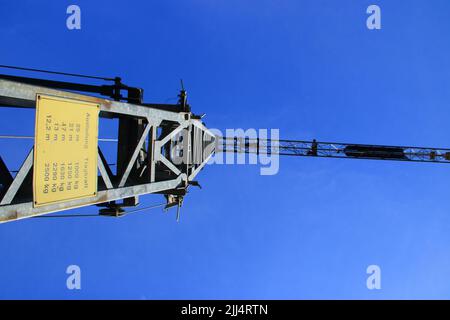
331, 150
146, 162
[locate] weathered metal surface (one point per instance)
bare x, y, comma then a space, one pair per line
26, 210
25, 92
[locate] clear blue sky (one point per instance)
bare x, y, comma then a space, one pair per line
310, 68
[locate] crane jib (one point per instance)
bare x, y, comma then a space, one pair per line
331, 150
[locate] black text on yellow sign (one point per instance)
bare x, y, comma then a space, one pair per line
65, 153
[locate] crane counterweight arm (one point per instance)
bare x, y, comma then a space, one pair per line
331, 150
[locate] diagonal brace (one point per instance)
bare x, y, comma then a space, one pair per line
104, 169
125, 175
18, 180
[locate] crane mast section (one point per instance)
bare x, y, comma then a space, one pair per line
150, 164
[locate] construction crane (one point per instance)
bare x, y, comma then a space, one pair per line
161, 148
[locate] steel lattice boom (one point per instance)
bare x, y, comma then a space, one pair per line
332, 150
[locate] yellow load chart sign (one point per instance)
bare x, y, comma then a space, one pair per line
65, 150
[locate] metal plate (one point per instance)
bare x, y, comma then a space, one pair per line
65, 153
